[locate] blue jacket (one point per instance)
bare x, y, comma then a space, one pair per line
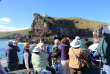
11, 54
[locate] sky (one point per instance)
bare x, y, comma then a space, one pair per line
18, 14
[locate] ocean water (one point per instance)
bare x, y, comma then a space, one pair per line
3, 46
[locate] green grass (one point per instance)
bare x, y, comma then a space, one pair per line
22, 32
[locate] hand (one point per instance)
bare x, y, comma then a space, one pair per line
28, 69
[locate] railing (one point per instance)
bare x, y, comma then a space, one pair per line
4, 63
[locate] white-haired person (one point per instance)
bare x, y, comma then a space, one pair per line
56, 56
39, 59
12, 56
77, 58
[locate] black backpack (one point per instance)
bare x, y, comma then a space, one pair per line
56, 52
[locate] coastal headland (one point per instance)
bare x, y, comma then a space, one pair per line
50, 28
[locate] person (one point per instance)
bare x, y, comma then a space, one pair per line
39, 59
94, 46
103, 50
86, 43
56, 56
2, 70
64, 48
12, 57
42, 45
27, 56
77, 58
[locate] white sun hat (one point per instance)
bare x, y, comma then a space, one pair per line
75, 43
37, 49
77, 38
107, 29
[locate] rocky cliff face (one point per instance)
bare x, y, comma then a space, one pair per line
50, 28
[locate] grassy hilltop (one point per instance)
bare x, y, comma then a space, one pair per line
78, 22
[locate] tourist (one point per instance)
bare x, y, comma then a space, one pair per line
103, 50
12, 57
64, 47
27, 56
93, 48
56, 56
39, 59
86, 43
42, 45
77, 57
2, 70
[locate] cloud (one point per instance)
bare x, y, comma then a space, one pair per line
5, 20
6, 28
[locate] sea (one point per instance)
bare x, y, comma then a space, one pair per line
3, 46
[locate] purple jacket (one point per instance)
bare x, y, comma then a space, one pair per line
64, 51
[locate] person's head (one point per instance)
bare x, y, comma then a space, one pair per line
9, 43
42, 40
75, 43
96, 40
106, 30
37, 50
65, 41
77, 38
57, 42
26, 45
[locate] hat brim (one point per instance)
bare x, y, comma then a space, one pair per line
36, 51
75, 46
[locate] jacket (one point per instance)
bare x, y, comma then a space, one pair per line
74, 62
103, 50
11, 54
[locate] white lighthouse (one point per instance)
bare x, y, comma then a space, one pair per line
45, 15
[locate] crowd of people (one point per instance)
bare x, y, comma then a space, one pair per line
68, 57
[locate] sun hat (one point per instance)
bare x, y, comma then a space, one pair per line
107, 29
77, 38
75, 43
37, 49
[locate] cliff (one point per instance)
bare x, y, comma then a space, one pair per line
52, 27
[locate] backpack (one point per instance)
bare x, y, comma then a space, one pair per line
56, 52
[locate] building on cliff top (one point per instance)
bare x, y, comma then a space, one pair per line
45, 15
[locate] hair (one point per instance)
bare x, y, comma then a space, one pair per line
10, 42
56, 42
26, 45
65, 41
96, 40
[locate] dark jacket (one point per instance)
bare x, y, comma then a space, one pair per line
103, 50
11, 54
